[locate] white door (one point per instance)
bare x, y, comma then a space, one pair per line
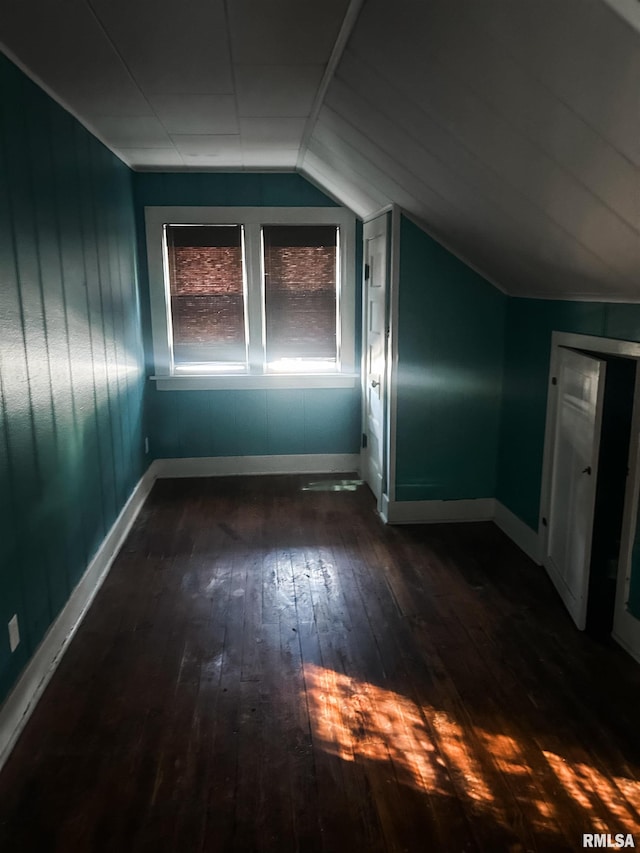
575, 436
374, 352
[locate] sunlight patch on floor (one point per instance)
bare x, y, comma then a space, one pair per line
585, 783
426, 749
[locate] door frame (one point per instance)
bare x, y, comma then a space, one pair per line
626, 628
392, 360
389, 401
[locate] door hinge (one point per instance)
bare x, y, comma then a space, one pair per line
364, 440
367, 272
554, 381
544, 521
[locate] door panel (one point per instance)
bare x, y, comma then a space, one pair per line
374, 348
574, 470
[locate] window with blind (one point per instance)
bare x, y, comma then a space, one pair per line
252, 292
206, 285
300, 286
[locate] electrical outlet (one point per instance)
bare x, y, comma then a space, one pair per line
146, 444
14, 632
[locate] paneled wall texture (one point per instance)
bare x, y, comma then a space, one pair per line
71, 365
473, 363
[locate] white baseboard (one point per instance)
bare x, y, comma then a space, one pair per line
228, 466
383, 509
482, 509
524, 537
628, 646
423, 512
20, 703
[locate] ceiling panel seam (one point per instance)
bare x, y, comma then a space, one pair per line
567, 175
346, 192
113, 46
418, 204
417, 180
471, 38
504, 45
455, 176
135, 83
487, 166
234, 84
332, 154
428, 228
465, 82
350, 19
411, 203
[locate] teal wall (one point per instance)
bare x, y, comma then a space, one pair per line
243, 423
70, 357
529, 324
253, 423
473, 365
450, 348
524, 403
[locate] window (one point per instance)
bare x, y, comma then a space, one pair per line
300, 276
204, 272
252, 297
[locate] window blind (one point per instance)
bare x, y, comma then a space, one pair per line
207, 293
300, 291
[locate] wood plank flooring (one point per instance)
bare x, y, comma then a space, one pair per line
268, 668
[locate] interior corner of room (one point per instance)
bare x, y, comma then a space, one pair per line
496, 340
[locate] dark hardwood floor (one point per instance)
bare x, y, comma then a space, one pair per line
268, 668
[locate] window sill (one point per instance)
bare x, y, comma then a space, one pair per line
255, 382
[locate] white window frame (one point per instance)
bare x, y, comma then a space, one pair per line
345, 375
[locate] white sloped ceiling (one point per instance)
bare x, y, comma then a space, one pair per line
509, 128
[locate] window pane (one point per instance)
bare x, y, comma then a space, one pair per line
300, 291
206, 287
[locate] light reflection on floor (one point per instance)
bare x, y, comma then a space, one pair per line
332, 486
428, 750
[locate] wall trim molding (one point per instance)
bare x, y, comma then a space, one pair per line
480, 509
392, 357
425, 512
442, 241
596, 298
348, 23
518, 531
24, 696
236, 466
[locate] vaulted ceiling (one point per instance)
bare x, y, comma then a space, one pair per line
509, 128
